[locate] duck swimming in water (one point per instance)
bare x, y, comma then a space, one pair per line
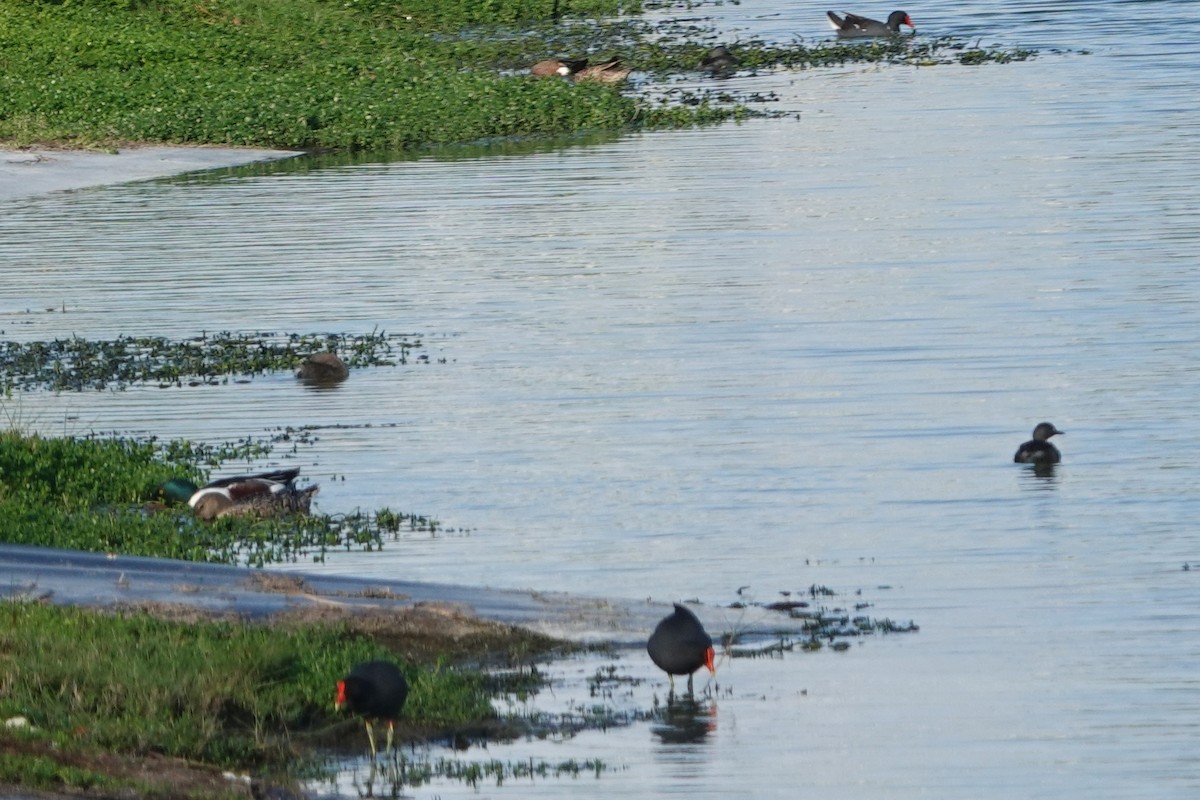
1038, 450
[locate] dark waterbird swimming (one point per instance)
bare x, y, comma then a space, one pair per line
323, 369
852, 26
376, 690
680, 646
719, 61
1038, 450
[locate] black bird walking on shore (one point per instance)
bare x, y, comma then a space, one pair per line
680, 646
376, 690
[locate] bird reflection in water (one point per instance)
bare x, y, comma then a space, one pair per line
1041, 477
685, 720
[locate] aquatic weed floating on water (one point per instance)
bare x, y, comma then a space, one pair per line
77, 364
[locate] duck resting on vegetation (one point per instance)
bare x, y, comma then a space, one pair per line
852, 26
266, 494
562, 67
581, 70
1038, 450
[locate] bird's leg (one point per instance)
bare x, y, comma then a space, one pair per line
689, 685
391, 733
370, 736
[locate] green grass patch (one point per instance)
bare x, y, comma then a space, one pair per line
94, 493
97, 493
227, 694
363, 74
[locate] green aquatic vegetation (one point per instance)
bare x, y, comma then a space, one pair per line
225, 693
77, 364
300, 74
93, 493
83, 473
364, 74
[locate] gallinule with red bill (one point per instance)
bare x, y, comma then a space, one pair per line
852, 26
376, 690
1038, 450
680, 646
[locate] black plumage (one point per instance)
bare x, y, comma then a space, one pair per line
680, 645
1038, 450
374, 690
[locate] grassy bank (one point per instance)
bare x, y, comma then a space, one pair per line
131, 702
156, 702
361, 74
284, 73
102, 493
99, 494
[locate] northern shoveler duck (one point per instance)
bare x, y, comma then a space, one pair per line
266, 494
852, 26
1038, 450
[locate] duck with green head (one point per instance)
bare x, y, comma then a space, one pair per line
266, 494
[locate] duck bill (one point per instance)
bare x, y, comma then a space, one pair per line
709, 660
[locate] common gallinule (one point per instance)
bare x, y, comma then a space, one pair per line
680, 646
376, 690
852, 26
1038, 450
263, 495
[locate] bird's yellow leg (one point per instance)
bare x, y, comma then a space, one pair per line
370, 735
391, 734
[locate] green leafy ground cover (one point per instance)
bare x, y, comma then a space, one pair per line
147, 702
363, 74
100, 693
98, 494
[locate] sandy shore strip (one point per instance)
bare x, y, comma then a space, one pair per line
27, 173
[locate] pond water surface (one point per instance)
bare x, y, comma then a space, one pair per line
771, 354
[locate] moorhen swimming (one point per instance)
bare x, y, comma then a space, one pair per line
680, 646
1038, 450
376, 690
852, 26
